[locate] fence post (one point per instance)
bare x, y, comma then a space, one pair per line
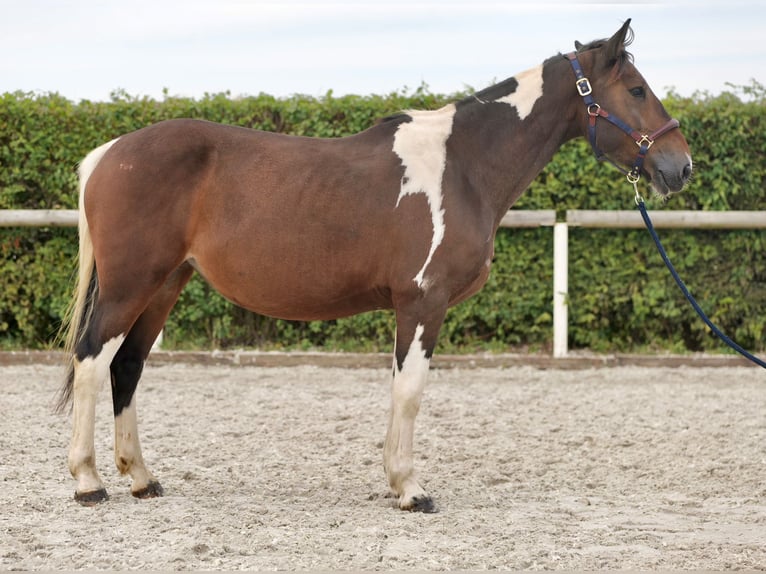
560, 289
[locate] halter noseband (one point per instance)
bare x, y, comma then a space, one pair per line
595, 111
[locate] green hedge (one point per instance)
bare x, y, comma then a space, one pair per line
621, 296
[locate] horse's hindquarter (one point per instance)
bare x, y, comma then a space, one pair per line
298, 228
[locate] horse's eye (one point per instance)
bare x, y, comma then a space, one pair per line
637, 92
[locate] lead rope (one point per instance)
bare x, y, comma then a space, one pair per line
674, 273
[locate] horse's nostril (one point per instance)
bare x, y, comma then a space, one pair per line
687, 172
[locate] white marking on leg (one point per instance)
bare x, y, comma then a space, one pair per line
90, 374
127, 448
406, 393
528, 91
421, 144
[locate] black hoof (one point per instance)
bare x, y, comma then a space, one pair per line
152, 490
424, 504
91, 498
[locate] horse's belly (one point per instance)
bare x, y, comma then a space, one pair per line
293, 290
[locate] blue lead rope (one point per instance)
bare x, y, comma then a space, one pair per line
697, 308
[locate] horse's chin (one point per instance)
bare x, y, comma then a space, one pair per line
660, 191
661, 187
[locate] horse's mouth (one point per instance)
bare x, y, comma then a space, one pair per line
661, 186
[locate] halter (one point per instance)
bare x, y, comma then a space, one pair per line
595, 111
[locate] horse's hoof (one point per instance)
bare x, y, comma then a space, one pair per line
91, 498
152, 490
424, 504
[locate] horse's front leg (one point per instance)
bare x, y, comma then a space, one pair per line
414, 345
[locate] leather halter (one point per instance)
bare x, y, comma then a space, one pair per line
595, 111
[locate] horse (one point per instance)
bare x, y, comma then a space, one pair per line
401, 216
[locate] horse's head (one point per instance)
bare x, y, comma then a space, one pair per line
623, 119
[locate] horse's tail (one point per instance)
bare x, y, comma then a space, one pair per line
80, 309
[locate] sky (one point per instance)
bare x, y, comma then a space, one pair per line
87, 49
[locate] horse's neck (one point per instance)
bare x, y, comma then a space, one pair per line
507, 146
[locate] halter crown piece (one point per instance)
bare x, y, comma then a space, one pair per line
595, 111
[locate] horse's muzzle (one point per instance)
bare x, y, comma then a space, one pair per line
670, 176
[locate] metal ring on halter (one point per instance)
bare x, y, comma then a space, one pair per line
596, 107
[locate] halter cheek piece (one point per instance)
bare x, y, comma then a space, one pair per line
595, 111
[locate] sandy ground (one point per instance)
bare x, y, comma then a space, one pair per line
280, 468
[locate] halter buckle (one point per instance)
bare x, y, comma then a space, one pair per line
644, 141
583, 87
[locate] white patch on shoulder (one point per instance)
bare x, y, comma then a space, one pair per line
421, 144
529, 90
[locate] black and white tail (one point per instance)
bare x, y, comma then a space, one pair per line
86, 287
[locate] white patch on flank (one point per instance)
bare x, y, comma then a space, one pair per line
528, 91
421, 144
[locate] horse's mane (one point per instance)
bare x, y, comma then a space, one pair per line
502, 88
397, 117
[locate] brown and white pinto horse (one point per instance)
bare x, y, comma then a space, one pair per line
401, 216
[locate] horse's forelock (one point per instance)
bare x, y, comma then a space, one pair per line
624, 57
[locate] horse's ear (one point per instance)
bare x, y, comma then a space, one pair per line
616, 44
578, 46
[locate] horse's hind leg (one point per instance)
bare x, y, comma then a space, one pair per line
126, 370
91, 369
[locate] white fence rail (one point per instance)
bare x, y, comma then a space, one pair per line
630, 220
668, 219
38, 217
520, 218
